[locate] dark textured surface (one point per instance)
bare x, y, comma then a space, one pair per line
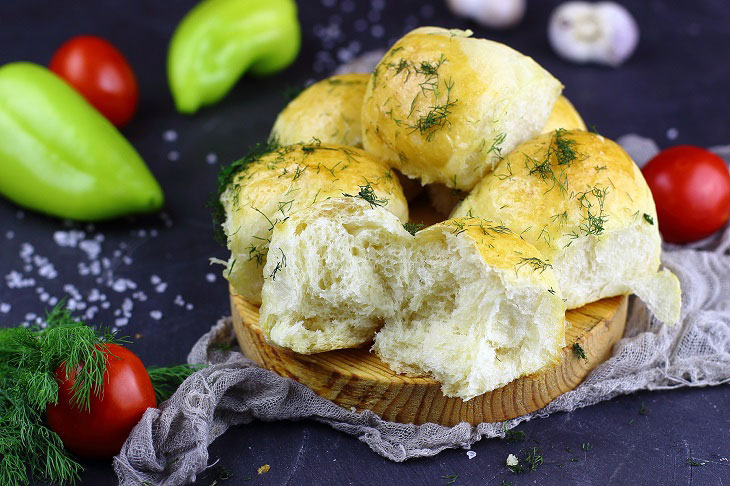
678, 78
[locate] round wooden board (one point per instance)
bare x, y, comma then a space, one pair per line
357, 378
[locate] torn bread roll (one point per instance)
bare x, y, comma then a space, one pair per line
581, 200
442, 106
328, 111
465, 301
265, 189
564, 115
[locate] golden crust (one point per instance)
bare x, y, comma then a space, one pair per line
442, 106
564, 115
499, 247
281, 183
329, 110
549, 205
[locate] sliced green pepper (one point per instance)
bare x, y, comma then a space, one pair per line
62, 157
219, 40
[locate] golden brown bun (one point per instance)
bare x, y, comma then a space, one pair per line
581, 200
328, 110
564, 115
442, 106
276, 185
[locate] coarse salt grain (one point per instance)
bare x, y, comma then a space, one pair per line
211, 158
471, 454
169, 136
156, 315
5, 307
210, 277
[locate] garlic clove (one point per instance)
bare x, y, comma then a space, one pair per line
604, 33
495, 14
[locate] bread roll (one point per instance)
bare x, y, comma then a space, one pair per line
581, 200
267, 189
442, 106
328, 111
336, 273
564, 115
464, 301
482, 309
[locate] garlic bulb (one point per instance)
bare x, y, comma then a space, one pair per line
496, 14
603, 32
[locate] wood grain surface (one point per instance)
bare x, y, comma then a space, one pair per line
357, 378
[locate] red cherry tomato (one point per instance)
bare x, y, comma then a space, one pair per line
691, 188
98, 71
100, 432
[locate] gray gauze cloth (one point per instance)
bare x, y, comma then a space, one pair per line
169, 446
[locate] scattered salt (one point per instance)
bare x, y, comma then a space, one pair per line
672, 133
173, 155
155, 279
122, 321
179, 300
210, 277
5, 307
161, 287
471, 454
169, 136
211, 158
156, 315
512, 460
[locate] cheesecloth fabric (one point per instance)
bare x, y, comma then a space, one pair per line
169, 445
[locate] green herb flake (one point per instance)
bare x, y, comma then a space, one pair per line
586, 446
692, 462
648, 219
579, 353
643, 410
368, 194
450, 479
413, 228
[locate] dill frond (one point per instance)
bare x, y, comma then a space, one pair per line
368, 194
166, 380
413, 228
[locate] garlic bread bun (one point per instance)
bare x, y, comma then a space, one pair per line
328, 111
442, 106
464, 301
336, 273
482, 309
564, 115
264, 190
581, 200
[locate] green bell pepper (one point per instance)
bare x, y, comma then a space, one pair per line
62, 157
219, 40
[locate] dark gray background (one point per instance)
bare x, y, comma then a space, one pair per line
677, 79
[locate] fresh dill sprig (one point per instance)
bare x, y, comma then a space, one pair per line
437, 117
368, 194
594, 221
165, 380
530, 461
535, 263
226, 175
29, 358
579, 353
564, 149
413, 228
450, 479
